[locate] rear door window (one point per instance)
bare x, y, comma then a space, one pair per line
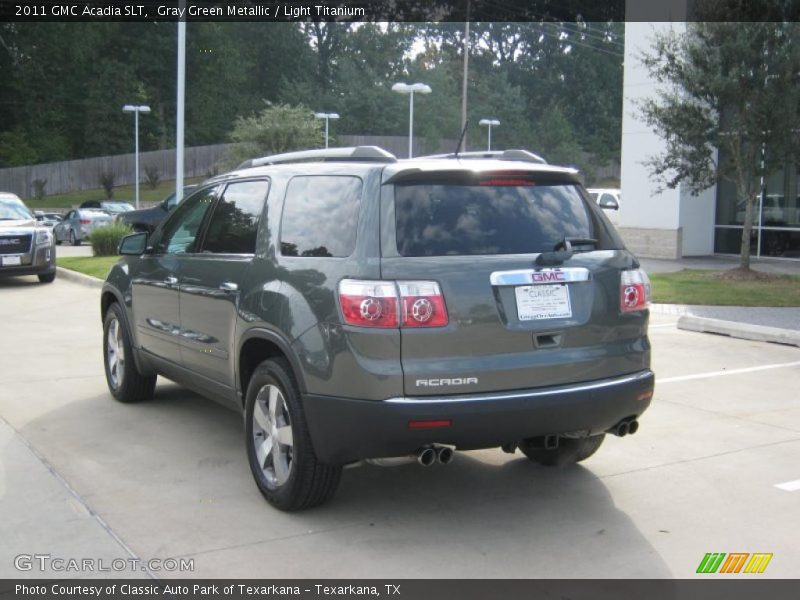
320, 216
234, 223
442, 220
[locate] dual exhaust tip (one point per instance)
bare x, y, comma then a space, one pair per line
431, 454
625, 427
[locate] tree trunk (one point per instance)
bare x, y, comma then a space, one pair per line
746, 194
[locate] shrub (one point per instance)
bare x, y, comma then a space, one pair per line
38, 188
152, 176
106, 179
105, 240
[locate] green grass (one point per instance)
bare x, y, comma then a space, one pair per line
121, 193
705, 287
96, 266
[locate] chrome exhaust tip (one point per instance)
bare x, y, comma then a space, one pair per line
633, 427
426, 456
445, 455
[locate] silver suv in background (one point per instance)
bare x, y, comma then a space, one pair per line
26, 248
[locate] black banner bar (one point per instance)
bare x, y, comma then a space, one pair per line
417, 589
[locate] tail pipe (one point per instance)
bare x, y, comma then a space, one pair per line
426, 456
625, 427
444, 454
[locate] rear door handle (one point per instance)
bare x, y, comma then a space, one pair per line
171, 280
228, 286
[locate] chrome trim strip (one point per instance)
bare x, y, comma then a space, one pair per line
539, 276
567, 389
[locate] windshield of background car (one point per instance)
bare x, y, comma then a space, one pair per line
13, 211
442, 220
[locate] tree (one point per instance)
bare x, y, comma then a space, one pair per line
730, 86
277, 128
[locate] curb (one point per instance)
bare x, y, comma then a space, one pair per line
744, 331
80, 278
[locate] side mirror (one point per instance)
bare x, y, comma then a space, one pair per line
134, 244
608, 203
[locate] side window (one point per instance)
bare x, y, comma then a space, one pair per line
320, 216
234, 222
180, 231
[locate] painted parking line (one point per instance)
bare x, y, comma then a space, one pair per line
728, 372
789, 486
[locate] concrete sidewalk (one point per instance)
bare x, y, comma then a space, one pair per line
767, 324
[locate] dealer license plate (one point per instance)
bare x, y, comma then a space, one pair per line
12, 261
537, 302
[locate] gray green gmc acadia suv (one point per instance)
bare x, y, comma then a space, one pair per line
358, 307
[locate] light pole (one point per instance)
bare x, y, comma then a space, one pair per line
404, 88
327, 117
488, 123
136, 109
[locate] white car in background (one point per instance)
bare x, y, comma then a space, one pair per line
609, 199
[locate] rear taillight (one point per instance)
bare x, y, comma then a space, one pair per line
634, 291
422, 304
392, 304
368, 303
85, 221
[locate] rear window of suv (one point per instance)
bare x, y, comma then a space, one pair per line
443, 220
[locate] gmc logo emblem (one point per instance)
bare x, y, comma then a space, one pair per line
548, 276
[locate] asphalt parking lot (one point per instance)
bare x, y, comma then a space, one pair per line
84, 476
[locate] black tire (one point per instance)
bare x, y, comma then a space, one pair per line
58, 241
128, 384
47, 277
569, 451
72, 239
309, 482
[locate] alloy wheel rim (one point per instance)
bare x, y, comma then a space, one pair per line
115, 353
272, 435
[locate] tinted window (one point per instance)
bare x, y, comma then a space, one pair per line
180, 231
320, 216
439, 220
234, 222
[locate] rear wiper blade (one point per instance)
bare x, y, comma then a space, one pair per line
568, 243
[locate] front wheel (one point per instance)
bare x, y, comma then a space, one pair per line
282, 460
124, 380
569, 451
72, 239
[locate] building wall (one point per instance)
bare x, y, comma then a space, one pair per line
653, 223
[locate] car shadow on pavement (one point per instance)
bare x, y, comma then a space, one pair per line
170, 477
22, 281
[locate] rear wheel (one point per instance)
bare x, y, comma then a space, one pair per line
569, 451
47, 277
282, 459
124, 380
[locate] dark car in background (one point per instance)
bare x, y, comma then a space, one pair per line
358, 307
146, 219
26, 248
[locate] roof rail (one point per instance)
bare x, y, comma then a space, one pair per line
357, 153
521, 155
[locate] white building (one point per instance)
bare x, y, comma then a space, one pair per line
673, 223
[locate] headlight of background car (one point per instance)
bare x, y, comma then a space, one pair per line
43, 237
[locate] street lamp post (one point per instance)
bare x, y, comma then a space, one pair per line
404, 88
327, 117
489, 123
136, 109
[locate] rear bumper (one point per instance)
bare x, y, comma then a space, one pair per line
345, 430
